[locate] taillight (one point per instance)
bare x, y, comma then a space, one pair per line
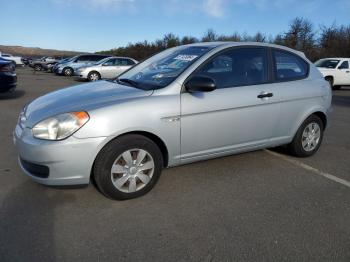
7, 68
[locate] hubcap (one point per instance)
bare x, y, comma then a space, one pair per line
94, 77
132, 170
311, 136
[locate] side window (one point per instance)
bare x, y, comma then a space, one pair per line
289, 66
94, 58
129, 62
82, 58
110, 62
124, 62
118, 62
237, 67
344, 65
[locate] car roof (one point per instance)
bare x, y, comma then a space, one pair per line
233, 44
123, 57
335, 58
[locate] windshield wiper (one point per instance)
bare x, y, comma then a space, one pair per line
128, 81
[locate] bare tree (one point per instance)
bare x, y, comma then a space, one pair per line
330, 41
210, 36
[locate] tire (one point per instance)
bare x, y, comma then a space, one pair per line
121, 186
331, 83
94, 76
68, 71
299, 146
38, 67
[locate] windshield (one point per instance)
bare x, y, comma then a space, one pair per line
163, 68
327, 63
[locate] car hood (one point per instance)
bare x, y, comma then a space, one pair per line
83, 97
325, 70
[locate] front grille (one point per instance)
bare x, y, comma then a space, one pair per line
35, 169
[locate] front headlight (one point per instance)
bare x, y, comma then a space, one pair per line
61, 126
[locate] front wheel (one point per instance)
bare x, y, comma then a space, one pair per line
331, 83
68, 71
93, 76
128, 167
38, 67
308, 137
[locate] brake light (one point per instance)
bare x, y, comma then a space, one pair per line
6, 68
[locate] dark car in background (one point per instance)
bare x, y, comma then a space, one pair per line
8, 77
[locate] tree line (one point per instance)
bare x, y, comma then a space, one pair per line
316, 43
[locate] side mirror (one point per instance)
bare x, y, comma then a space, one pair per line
200, 84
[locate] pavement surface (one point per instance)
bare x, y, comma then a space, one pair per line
258, 206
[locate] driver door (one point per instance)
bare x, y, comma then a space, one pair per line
109, 68
240, 114
343, 74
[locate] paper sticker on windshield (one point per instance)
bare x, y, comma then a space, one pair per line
186, 57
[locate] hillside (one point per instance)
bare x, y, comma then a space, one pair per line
35, 51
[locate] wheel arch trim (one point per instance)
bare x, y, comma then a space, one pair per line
146, 133
320, 112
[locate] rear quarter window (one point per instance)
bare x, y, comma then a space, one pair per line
289, 66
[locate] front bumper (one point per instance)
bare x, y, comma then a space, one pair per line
69, 162
58, 71
81, 74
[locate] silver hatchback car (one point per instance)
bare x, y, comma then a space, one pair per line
107, 68
186, 104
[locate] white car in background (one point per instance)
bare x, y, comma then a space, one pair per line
107, 68
335, 70
16, 59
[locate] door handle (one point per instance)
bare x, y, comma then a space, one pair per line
265, 95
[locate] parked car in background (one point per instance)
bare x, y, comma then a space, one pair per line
185, 104
71, 65
16, 59
335, 70
62, 61
107, 68
8, 77
44, 62
48, 67
27, 60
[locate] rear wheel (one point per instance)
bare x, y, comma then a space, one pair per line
94, 76
308, 138
128, 167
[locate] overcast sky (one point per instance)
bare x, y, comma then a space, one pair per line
93, 25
